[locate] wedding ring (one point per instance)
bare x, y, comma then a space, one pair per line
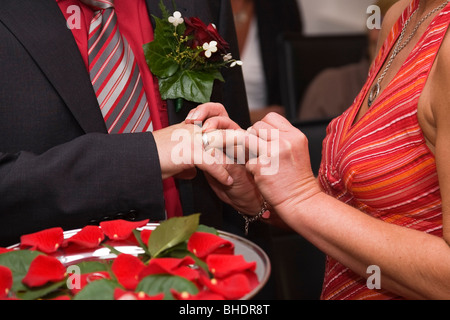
205, 140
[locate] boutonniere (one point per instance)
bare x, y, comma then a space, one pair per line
186, 56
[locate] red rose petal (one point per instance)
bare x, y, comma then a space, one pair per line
120, 294
44, 269
121, 229
202, 33
86, 278
6, 282
202, 295
47, 241
252, 278
4, 250
88, 237
222, 265
145, 235
127, 268
203, 244
233, 287
173, 266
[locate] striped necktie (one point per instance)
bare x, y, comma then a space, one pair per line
115, 74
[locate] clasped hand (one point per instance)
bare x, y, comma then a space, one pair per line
270, 160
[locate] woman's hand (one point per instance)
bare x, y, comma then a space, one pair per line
223, 137
276, 153
243, 194
282, 169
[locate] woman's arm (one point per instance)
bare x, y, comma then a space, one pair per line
413, 264
437, 128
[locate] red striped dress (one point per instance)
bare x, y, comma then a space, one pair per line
381, 164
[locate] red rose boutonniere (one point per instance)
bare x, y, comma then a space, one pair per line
186, 56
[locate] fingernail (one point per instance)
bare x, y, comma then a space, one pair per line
230, 180
205, 126
194, 115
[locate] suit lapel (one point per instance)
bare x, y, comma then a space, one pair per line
42, 30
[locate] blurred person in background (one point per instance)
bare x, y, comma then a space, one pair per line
333, 90
258, 25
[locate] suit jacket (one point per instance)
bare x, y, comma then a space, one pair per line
58, 166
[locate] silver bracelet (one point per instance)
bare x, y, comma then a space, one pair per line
258, 216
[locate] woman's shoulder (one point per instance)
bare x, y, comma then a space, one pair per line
391, 18
394, 12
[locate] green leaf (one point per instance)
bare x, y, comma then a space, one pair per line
171, 233
92, 266
158, 59
112, 249
158, 53
173, 251
98, 290
180, 254
192, 85
40, 292
155, 284
163, 9
19, 263
164, 30
206, 229
137, 235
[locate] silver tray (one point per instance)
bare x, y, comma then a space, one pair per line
250, 251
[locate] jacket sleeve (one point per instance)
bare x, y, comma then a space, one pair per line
92, 178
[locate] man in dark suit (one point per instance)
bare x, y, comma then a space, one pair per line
58, 164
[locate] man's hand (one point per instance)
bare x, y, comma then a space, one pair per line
180, 150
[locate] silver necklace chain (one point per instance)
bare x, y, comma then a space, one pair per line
375, 91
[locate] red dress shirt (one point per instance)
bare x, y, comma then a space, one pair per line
135, 26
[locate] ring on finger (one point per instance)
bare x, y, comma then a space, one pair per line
205, 140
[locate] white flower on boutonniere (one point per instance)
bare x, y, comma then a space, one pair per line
176, 19
210, 48
236, 63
